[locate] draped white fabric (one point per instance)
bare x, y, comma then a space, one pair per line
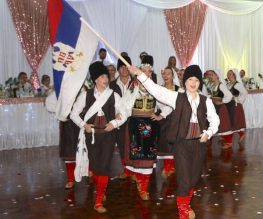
237, 7
144, 28
27, 125
231, 41
118, 22
235, 52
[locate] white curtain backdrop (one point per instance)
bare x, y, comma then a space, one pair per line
226, 40
226, 6
117, 22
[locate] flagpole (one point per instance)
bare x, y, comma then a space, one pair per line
106, 42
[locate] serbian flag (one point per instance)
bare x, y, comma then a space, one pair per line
74, 45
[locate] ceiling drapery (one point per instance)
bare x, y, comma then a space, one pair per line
236, 7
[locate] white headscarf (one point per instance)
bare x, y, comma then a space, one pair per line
236, 72
220, 76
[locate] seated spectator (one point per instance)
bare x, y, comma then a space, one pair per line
24, 86
46, 88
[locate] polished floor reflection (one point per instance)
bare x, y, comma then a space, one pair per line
32, 187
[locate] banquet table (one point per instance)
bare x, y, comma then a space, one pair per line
25, 123
253, 107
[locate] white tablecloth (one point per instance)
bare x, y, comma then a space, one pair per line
27, 125
253, 107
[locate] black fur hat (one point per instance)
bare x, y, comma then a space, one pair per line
97, 69
120, 63
193, 71
148, 59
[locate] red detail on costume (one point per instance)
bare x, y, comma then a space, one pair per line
102, 183
241, 135
143, 181
228, 138
168, 165
183, 206
70, 167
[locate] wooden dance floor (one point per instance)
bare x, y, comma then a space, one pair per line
32, 187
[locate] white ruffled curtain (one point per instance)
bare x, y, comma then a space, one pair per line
237, 7
237, 42
233, 42
119, 21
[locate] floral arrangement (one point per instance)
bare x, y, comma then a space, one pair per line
9, 88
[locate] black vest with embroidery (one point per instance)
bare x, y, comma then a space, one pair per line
180, 118
108, 108
218, 92
116, 88
234, 91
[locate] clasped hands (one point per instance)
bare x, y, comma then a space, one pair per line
88, 127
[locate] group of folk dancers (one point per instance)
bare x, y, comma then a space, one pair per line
147, 122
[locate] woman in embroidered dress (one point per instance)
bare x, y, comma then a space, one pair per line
189, 130
142, 132
94, 111
221, 97
236, 111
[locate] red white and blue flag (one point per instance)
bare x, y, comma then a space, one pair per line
74, 45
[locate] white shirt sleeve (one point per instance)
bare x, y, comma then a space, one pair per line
227, 94
161, 93
118, 109
242, 93
78, 108
166, 110
212, 118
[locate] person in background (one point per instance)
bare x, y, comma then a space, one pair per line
24, 86
172, 64
148, 59
180, 77
46, 88
102, 55
124, 54
193, 122
164, 151
112, 71
120, 86
208, 82
142, 54
221, 97
244, 79
236, 112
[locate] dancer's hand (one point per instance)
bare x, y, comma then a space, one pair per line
109, 127
118, 116
134, 70
88, 127
204, 137
154, 117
